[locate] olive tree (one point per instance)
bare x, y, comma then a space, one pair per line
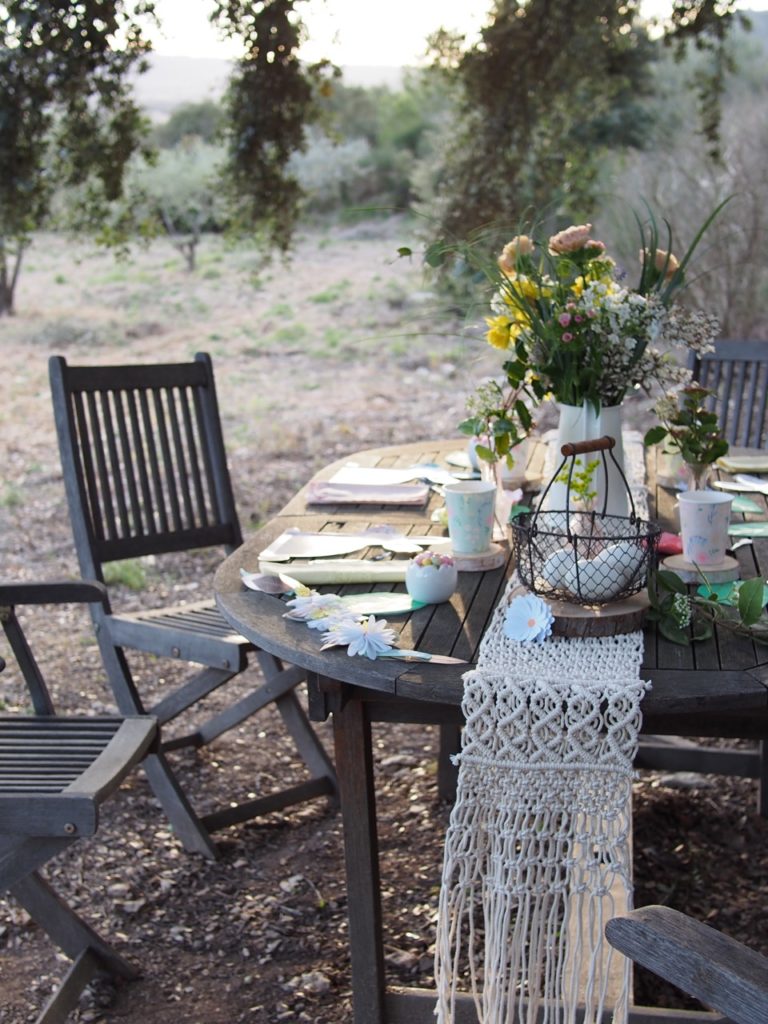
545, 91
67, 116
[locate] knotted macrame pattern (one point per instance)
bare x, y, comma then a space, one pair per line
539, 838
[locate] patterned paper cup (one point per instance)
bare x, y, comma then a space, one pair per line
704, 520
470, 505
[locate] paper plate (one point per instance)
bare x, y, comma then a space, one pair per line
727, 593
748, 529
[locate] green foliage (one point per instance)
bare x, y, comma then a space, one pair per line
685, 617
534, 122
579, 478
129, 572
203, 121
270, 100
689, 427
182, 189
370, 144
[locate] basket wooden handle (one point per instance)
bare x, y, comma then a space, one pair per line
600, 444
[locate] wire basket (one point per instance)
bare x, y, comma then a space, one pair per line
584, 557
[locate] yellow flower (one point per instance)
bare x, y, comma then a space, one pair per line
499, 333
521, 245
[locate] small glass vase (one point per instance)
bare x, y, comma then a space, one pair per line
698, 475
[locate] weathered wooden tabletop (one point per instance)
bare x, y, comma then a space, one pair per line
715, 688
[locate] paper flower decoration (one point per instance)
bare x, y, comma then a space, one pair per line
367, 637
319, 611
528, 619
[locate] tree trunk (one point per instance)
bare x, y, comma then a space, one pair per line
10, 265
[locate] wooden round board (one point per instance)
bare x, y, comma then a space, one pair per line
623, 616
490, 559
726, 572
607, 620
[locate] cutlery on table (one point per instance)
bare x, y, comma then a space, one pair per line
437, 659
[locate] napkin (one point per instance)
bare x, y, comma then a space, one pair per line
323, 492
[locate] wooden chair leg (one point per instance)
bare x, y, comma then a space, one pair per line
307, 743
276, 683
67, 996
447, 772
70, 933
762, 781
186, 824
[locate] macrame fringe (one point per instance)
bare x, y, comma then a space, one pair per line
539, 839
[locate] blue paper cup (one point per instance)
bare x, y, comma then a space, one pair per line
470, 506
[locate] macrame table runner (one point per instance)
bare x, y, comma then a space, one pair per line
539, 840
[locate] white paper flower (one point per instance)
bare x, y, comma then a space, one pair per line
528, 619
367, 637
317, 610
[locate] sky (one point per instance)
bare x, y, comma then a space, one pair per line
391, 32
368, 32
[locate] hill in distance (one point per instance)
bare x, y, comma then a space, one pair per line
171, 81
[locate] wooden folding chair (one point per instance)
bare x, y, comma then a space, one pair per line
55, 771
720, 972
145, 473
737, 373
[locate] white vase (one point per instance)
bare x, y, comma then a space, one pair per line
582, 423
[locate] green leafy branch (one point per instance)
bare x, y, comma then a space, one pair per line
683, 617
579, 480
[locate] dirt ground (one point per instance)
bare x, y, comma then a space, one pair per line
344, 348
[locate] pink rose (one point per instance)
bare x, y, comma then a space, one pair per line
571, 240
567, 336
564, 319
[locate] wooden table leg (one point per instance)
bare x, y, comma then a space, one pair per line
354, 768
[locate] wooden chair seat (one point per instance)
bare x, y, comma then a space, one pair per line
55, 772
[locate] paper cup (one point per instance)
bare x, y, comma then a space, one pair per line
470, 505
704, 520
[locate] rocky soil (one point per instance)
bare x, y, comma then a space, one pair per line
345, 347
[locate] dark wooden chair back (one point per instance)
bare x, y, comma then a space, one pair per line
737, 371
55, 772
143, 459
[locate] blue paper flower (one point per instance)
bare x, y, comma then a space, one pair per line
528, 619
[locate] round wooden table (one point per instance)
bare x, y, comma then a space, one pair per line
693, 693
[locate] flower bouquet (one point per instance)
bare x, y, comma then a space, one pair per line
572, 330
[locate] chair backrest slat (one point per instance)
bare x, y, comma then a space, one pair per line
168, 496
195, 467
143, 459
737, 371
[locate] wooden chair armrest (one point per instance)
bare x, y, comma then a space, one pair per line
53, 592
722, 973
